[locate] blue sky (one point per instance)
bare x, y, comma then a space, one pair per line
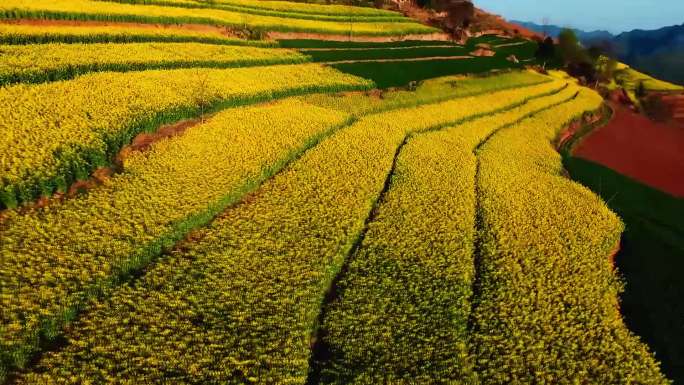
612, 15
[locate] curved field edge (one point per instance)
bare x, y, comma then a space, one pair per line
313, 8
507, 340
79, 164
651, 249
22, 32
549, 87
265, 12
18, 13
368, 363
650, 259
17, 356
69, 71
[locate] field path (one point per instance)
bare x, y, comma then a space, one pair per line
633, 145
399, 60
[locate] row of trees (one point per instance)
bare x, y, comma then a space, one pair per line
592, 65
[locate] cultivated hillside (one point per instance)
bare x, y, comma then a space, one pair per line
269, 192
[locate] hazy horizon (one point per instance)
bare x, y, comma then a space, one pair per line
611, 15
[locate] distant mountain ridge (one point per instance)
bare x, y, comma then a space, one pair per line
554, 30
659, 52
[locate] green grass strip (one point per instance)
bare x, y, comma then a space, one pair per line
650, 261
380, 54
309, 43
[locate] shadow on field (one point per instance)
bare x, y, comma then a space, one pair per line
651, 260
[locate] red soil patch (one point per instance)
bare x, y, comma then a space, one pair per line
144, 141
640, 148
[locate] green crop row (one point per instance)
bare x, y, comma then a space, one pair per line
59, 132
56, 259
333, 44
100, 233
384, 53
37, 63
404, 303
401, 73
30, 34
547, 309
397, 18
429, 91
116, 12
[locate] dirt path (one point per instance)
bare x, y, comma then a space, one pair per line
377, 48
633, 145
399, 60
378, 39
141, 143
510, 44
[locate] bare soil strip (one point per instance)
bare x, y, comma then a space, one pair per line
141, 143
399, 60
377, 48
379, 39
510, 44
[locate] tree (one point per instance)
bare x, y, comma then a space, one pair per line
546, 50
605, 68
545, 24
570, 48
577, 60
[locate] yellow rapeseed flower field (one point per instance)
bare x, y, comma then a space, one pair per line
548, 303
404, 302
52, 256
310, 8
28, 34
106, 11
234, 292
57, 132
45, 62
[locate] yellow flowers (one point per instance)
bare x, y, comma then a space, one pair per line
26, 34
308, 8
181, 184
404, 301
247, 291
475, 200
98, 10
43, 62
55, 133
548, 304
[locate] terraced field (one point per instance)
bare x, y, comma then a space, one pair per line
309, 224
